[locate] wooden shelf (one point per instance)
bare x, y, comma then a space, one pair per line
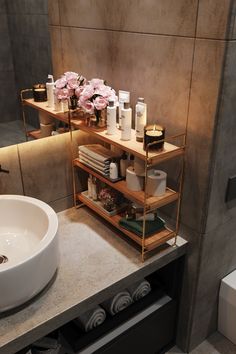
150, 242
132, 146
138, 197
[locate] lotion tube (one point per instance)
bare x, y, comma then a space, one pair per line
126, 121
124, 96
111, 118
140, 118
50, 91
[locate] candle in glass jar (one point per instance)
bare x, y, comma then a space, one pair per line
39, 93
154, 133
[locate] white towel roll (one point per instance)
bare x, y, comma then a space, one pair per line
91, 319
139, 290
118, 302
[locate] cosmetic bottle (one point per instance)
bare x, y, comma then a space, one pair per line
124, 96
123, 164
94, 189
90, 195
126, 121
111, 118
140, 118
50, 91
113, 170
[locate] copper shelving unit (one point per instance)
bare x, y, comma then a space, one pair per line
151, 158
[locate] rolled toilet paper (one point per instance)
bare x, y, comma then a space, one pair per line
44, 118
156, 183
139, 166
46, 130
134, 182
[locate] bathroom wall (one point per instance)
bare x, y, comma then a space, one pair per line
8, 97
172, 53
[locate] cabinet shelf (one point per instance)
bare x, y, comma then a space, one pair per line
138, 197
150, 242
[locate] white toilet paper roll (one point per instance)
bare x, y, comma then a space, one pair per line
46, 130
44, 118
134, 182
156, 183
139, 166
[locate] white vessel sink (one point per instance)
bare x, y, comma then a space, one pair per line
28, 248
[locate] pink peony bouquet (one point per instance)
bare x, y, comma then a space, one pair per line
95, 96
68, 85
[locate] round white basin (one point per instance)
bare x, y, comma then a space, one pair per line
29, 253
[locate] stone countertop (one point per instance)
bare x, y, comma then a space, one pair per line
94, 264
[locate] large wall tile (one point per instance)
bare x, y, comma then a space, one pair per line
87, 52
157, 68
53, 12
206, 81
57, 58
8, 102
213, 18
3, 8
225, 154
10, 183
46, 168
6, 63
160, 17
27, 6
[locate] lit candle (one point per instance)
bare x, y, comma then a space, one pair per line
39, 93
154, 133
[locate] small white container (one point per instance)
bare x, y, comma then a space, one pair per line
140, 118
124, 96
50, 91
126, 122
111, 118
113, 170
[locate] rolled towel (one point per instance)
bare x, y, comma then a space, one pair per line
91, 319
139, 290
118, 302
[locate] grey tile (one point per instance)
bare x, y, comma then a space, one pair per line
27, 7
10, 183
33, 25
46, 168
213, 18
208, 61
3, 9
87, 55
53, 12
6, 63
8, 97
190, 278
220, 211
62, 204
162, 17
56, 51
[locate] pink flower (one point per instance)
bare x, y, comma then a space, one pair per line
78, 91
87, 92
60, 83
96, 82
87, 106
71, 75
100, 103
63, 94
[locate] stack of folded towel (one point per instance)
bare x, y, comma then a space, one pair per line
97, 157
96, 316
136, 226
91, 319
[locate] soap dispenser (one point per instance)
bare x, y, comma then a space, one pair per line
50, 91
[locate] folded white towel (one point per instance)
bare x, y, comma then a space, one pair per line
139, 289
118, 302
91, 319
97, 152
104, 173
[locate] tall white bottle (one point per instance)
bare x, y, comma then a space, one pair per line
111, 118
50, 91
140, 118
124, 96
126, 122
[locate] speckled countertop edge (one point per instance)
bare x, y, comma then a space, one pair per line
94, 264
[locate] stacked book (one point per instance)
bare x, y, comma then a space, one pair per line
96, 157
